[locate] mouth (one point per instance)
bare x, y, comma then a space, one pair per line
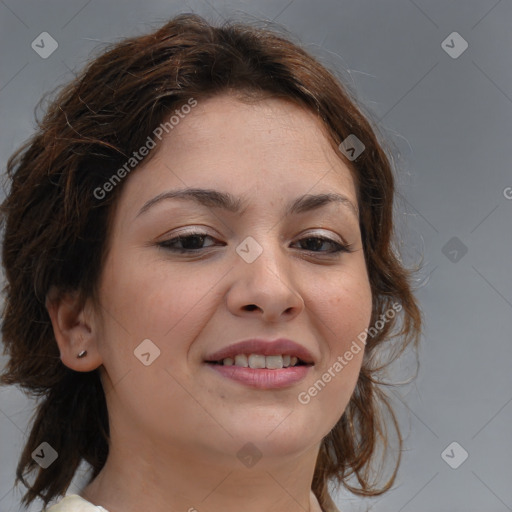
260, 361
260, 353
262, 364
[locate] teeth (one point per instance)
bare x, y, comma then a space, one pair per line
274, 362
241, 360
256, 361
260, 361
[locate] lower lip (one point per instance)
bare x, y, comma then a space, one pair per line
263, 378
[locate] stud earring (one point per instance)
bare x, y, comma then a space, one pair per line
83, 353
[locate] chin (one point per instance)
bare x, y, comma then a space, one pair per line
274, 439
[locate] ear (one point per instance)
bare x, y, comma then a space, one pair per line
74, 330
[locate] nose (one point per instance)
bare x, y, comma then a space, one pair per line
266, 288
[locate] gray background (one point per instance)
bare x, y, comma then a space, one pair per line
449, 121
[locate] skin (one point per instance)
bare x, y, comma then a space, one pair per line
176, 425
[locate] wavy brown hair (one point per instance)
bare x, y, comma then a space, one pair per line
56, 232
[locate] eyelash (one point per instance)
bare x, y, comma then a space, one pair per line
166, 244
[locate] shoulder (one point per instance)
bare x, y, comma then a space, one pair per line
74, 503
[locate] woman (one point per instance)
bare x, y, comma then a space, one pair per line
201, 280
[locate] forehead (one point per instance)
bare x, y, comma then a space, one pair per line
241, 125
270, 148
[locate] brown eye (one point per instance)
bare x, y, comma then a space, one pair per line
315, 244
192, 242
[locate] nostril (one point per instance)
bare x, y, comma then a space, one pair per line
251, 307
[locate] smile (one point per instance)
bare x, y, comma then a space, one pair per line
259, 361
259, 376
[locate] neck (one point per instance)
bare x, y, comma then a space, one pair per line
149, 479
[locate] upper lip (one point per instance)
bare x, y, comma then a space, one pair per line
281, 346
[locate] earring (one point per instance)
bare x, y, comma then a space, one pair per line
83, 353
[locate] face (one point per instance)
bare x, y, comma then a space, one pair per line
262, 270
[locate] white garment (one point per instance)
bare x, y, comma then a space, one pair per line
75, 503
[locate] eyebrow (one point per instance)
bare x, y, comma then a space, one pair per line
226, 201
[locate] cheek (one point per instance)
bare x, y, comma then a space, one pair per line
148, 301
342, 313
344, 303
343, 309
